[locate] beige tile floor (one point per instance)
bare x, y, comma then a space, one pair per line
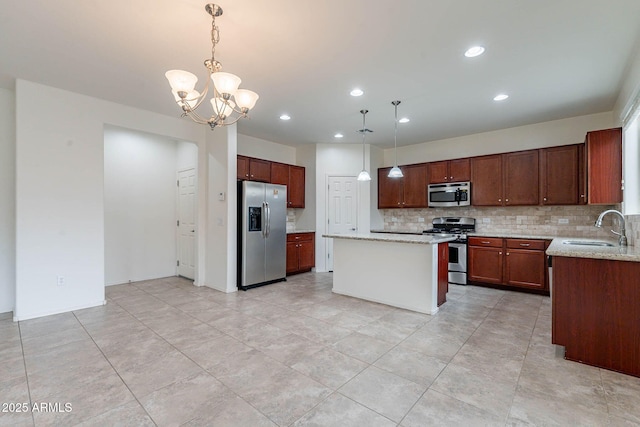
164, 352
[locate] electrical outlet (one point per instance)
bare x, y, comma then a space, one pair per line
486, 220
60, 280
420, 219
563, 221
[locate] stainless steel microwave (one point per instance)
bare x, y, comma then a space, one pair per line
449, 194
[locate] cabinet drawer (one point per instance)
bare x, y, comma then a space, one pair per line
299, 237
492, 242
525, 244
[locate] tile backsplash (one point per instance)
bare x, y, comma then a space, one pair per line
633, 229
570, 221
291, 220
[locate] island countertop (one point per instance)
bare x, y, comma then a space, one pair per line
420, 239
613, 253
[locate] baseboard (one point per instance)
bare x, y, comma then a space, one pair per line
51, 313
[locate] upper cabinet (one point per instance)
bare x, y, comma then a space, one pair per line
560, 175
449, 171
275, 173
604, 166
253, 169
410, 191
486, 180
521, 175
509, 179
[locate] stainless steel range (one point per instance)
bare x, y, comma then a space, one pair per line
458, 227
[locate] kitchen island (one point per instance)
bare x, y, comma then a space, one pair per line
395, 269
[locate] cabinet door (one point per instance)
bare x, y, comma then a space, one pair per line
438, 172
604, 166
485, 264
414, 186
525, 268
306, 252
243, 167
389, 190
521, 175
559, 175
582, 174
279, 173
459, 170
292, 257
295, 191
443, 272
486, 180
259, 170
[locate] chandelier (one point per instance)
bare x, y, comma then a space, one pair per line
227, 98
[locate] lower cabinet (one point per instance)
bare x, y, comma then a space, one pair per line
510, 262
301, 254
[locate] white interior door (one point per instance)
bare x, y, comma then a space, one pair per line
342, 210
187, 223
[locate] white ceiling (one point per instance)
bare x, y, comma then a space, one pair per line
555, 58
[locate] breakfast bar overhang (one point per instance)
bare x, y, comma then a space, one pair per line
394, 269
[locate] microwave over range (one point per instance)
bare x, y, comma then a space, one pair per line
449, 194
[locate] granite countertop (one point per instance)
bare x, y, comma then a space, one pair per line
300, 231
613, 253
421, 239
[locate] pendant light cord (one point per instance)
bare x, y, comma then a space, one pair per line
395, 133
364, 112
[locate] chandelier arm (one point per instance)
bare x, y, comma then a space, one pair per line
203, 95
197, 117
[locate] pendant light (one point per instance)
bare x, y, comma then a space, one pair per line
364, 175
395, 171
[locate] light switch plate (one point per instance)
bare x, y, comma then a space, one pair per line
486, 220
563, 221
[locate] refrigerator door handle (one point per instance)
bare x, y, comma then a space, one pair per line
268, 219
263, 219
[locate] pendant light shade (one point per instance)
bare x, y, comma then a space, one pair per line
395, 171
364, 175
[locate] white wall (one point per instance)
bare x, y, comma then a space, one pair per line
187, 156
338, 160
7, 201
629, 89
267, 150
60, 196
140, 205
546, 134
222, 221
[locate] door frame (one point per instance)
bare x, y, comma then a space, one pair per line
328, 243
195, 219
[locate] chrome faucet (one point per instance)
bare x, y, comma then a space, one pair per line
623, 238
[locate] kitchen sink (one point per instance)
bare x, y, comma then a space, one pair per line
587, 243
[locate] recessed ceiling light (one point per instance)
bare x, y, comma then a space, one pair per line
284, 117
404, 120
500, 97
338, 135
356, 92
474, 51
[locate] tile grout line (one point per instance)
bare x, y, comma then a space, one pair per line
26, 374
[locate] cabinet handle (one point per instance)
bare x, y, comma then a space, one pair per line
451, 178
544, 198
499, 200
582, 195
485, 243
507, 253
500, 253
525, 244
251, 176
506, 200
297, 237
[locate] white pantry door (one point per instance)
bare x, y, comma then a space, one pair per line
342, 212
187, 223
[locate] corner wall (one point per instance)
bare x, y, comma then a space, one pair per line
60, 194
7, 201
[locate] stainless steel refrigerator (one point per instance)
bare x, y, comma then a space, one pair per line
262, 234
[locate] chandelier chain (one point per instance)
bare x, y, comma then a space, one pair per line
215, 37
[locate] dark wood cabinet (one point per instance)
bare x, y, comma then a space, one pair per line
604, 166
279, 173
484, 255
511, 262
486, 180
521, 175
596, 307
582, 174
443, 272
300, 252
410, 191
293, 177
559, 175
296, 187
449, 171
243, 167
259, 170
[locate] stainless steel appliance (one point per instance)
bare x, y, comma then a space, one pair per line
262, 235
449, 194
458, 227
